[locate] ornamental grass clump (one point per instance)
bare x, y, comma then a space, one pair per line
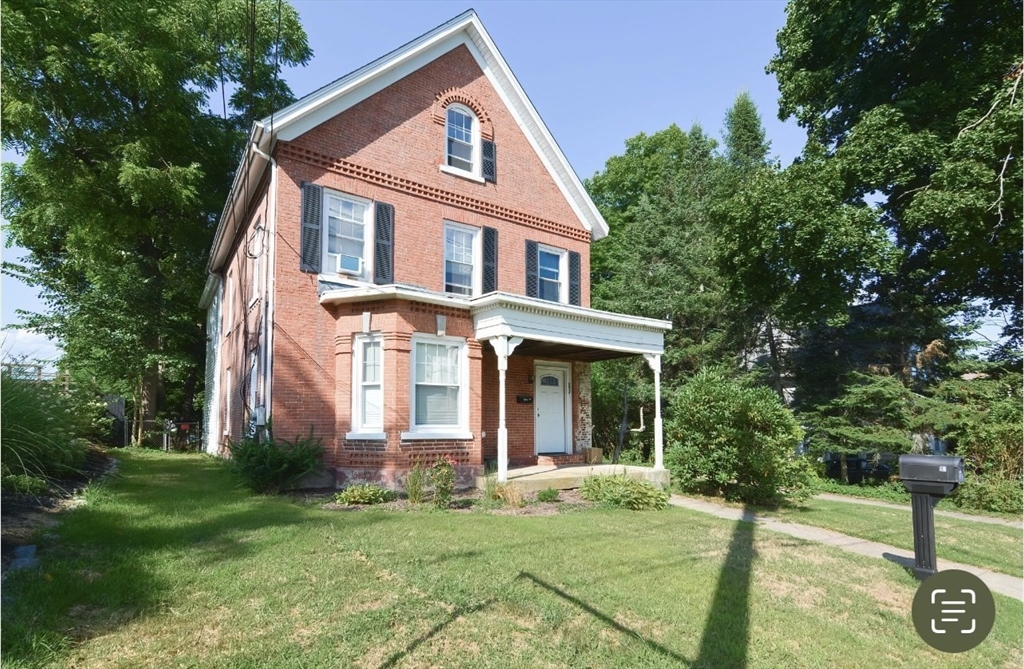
416, 484
442, 477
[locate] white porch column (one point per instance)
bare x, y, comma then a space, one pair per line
654, 360
503, 347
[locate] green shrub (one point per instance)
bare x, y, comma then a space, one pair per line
364, 493
988, 493
442, 477
267, 466
734, 440
38, 421
22, 484
624, 492
890, 491
548, 495
416, 484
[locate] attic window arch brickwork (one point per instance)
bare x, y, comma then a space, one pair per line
456, 95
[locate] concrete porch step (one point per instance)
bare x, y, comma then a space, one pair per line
563, 459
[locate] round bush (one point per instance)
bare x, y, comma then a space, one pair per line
734, 440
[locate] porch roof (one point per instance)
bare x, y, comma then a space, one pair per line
548, 329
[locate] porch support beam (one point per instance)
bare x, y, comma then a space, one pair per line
654, 360
503, 347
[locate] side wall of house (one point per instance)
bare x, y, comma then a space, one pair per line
242, 313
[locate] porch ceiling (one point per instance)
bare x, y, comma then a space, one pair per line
546, 349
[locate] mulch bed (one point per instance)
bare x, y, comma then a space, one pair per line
22, 516
463, 501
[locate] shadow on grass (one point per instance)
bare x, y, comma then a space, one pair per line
432, 632
124, 553
606, 619
727, 628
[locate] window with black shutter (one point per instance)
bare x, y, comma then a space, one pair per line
384, 243
312, 217
490, 260
531, 268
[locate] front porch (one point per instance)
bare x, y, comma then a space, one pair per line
568, 477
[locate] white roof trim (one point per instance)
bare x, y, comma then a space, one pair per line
465, 29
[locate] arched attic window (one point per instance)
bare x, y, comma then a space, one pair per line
462, 139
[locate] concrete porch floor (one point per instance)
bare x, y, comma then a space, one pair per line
567, 477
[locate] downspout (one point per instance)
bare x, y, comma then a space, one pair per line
268, 285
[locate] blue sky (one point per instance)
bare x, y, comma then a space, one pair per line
598, 73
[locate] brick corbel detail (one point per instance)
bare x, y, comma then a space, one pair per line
450, 95
381, 178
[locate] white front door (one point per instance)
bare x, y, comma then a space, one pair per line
550, 409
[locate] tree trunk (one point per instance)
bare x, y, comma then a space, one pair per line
844, 473
773, 352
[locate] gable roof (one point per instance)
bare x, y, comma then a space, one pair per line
334, 98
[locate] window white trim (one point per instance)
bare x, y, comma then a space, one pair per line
475, 171
476, 287
229, 391
359, 430
459, 430
563, 272
365, 272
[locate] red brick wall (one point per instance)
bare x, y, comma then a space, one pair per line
394, 134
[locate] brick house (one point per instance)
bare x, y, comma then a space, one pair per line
403, 265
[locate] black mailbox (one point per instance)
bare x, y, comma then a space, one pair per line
928, 478
933, 468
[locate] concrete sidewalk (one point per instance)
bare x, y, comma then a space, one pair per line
988, 520
1004, 584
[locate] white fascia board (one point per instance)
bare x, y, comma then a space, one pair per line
307, 113
523, 303
512, 94
465, 29
209, 291
496, 322
367, 293
248, 174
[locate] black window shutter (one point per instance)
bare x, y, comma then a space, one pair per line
490, 162
531, 268
574, 278
312, 217
490, 260
384, 243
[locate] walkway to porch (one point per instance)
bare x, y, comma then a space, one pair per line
567, 477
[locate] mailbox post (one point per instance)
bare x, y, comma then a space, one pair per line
928, 478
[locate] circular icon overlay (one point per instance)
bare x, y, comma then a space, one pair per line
953, 611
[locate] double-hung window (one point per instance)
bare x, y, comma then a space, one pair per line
348, 233
461, 134
551, 280
461, 259
367, 388
439, 394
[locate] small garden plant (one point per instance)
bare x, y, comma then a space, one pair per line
364, 493
624, 492
547, 495
416, 484
442, 477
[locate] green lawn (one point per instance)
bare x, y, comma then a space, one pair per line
172, 565
996, 547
